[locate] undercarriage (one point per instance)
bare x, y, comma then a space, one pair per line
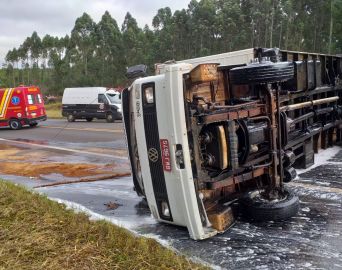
250, 126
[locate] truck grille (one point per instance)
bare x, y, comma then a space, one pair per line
155, 159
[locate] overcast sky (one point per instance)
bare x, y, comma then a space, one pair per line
18, 18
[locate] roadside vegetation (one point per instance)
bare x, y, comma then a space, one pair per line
36, 233
54, 110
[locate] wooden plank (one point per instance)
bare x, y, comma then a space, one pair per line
221, 218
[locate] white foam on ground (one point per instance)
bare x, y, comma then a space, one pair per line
78, 208
321, 158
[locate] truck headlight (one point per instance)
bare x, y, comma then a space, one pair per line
149, 95
165, 209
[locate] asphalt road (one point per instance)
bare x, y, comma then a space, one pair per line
75, 135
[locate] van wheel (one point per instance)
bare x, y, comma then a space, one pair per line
109, 118
71, 118
15, 124
257, 208
89, 119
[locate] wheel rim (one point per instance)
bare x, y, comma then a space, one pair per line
14, 124
257, 195
109, 117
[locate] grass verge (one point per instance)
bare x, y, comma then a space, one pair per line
54, 110
36, 233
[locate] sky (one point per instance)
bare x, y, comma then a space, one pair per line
18, 18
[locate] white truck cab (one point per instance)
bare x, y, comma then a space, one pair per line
160, 137
202, 135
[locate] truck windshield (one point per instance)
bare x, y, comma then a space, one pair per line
114, 98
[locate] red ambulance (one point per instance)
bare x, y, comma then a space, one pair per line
21, 106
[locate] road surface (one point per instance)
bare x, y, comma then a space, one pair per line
57, 130
95, 136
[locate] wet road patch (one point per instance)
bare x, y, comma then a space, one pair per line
56, 168
329, 175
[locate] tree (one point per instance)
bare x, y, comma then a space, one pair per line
109, 50
133, 40
82, 38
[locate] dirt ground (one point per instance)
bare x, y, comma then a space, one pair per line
25, 162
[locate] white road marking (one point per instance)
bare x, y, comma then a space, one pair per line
64, 149
85, 129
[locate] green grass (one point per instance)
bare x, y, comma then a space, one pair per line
54, 110
36, 233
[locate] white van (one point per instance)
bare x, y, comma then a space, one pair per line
91, 102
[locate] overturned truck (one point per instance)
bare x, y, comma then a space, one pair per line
205, 134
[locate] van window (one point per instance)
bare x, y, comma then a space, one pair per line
30, 99
114, 98
39, 99
102, 99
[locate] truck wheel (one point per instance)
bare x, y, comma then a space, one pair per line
15, 124
89, 119
258, 73
255, 207
71, 118
109, 118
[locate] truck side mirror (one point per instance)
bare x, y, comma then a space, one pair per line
136, 71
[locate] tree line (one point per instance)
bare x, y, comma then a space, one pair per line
97, 54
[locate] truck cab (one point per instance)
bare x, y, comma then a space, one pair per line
206, 133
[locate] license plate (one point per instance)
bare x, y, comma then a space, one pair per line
165, 149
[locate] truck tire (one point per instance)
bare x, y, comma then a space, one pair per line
89, 119
257, 209
15, 124
109, 118
71, 118
259, 73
